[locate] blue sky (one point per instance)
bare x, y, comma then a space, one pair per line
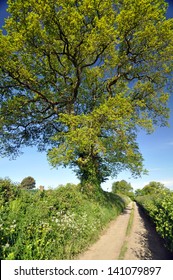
157, 150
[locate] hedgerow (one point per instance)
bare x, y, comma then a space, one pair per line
159, 206
52, 224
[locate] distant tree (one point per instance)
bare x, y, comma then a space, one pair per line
151, 188
122, 187
28, 183
138, 192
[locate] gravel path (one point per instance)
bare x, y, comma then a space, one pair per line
111, 241
143, 243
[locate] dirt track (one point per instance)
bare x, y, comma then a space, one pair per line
143, 243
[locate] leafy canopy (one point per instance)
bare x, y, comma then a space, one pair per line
28, 183
151, 189
122, 187
78, 78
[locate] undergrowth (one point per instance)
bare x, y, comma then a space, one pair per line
53, 224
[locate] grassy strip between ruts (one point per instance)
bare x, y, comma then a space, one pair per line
53, 224
128, 231
130, 223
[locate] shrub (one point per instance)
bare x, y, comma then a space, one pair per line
159, 206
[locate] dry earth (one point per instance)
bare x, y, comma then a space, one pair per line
143, 243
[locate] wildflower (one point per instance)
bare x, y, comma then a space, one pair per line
12, 226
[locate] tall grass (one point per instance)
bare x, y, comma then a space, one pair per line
53, 224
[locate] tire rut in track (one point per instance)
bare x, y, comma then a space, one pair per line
144, 243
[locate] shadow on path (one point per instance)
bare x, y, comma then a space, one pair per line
152, 243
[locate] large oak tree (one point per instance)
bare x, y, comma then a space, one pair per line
78, 78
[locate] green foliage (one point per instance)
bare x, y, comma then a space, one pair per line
101, 143
123, 187
28, 183
54, 224
159, 205
8, 190
151, 188
79, 78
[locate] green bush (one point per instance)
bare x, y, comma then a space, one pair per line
160, 208
8, 190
